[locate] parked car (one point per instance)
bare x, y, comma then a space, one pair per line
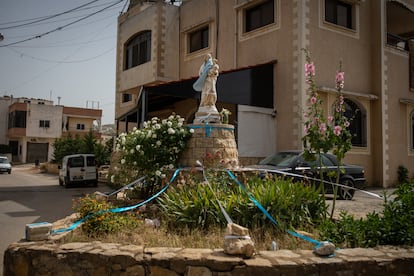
5, 165
78, 169
293, 163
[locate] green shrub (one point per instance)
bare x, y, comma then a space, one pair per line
100, 221
402, 174
394, 226
151, 151
194, 206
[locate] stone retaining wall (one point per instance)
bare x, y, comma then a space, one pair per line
96, 258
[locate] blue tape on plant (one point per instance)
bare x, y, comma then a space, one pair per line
117, 210
321, 248
209, 128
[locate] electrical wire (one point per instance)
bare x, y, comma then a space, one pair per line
49, 17
62, 61
61, 20
62, 27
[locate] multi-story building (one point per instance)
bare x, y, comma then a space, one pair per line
33, 125
258, 44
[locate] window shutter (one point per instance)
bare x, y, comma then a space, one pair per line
411, 63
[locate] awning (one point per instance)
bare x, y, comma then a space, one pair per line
248, 86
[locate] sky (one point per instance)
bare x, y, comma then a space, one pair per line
50, 52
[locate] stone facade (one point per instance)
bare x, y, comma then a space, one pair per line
96, 258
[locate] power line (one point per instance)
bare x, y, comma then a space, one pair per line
62, 61
49, 22
48, 17
62, 27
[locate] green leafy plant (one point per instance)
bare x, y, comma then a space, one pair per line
195, 207
151, 151
87, 144
100, 221
394, 226
402, 175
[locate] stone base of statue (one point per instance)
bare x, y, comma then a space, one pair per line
214, 145
207, 114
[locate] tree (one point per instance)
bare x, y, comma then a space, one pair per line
88, 144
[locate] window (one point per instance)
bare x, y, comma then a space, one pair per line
198, 39
126, 97
76, 162
358, 123
44, 123
80, 126
17, 119
412, 131
259, 15
339, 12
90, 161
138, 50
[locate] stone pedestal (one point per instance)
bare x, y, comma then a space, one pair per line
207, 114
212, 144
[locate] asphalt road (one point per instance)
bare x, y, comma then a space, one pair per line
27, 196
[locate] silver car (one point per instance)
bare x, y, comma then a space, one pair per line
5, 165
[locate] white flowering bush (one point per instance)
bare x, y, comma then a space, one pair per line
152, 151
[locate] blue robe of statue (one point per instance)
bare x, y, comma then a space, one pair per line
198, 85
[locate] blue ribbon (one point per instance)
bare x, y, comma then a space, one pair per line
209, 128
293, 233
117, 210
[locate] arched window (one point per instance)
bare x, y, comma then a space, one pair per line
412, 131
358, 119
138, 50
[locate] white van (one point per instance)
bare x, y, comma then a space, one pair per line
78, 169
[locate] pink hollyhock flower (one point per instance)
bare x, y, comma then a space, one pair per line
330, 118
309, 69
340, 77
322, 127
305, 130
347, 124
337, 130
313, 100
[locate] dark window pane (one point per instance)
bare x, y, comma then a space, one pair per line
126, 97
339, 13
76, 162
259, 16
198, 39
90, 161
358, 123
138, 50
412, 131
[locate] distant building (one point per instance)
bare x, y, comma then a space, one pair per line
259, 45
33, 125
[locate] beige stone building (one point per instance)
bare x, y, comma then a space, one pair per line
33, 125
161, 46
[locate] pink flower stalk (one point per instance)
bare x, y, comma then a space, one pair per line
309, 69
340, 79
337, 130
322, 127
